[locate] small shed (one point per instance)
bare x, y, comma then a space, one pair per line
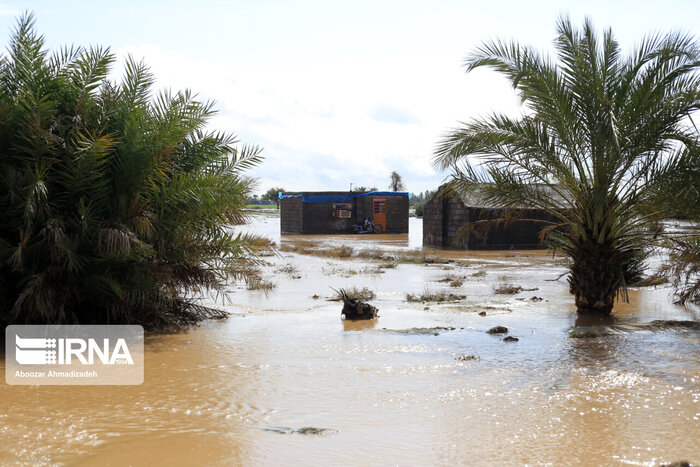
449, 216
335, 212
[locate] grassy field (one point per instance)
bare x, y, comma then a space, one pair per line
261, 206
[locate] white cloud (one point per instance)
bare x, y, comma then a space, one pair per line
326, 124
5, 11
337, 93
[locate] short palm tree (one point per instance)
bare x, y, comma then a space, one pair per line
117, 206
598, 131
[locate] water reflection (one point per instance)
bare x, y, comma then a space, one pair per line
359, 325
593, 320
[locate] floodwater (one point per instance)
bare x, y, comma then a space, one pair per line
389, 391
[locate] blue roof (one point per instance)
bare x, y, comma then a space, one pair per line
312, 198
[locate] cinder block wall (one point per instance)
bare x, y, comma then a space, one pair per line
363, 208
397, 214
432, 222
516, 234
318, 219
291, 216
446, 224
456, 216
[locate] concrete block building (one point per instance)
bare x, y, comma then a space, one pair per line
335, 212
449, 222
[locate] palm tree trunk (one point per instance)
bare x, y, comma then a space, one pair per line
595, 278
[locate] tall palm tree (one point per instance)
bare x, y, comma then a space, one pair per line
117, 206
598, 129
396, 182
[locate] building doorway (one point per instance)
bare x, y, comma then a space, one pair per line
379, 212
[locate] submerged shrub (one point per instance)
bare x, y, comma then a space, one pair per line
507, 289
116, 203
354, 293
260, 284
428, 295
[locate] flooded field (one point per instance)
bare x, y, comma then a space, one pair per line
285, 381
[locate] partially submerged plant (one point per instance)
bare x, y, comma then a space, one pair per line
353, 293
260, 284
507, 289
428, 295
453, 280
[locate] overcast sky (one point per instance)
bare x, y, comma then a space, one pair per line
336, 92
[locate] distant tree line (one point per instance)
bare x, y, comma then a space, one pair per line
418, 201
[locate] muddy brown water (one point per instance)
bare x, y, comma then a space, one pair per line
234, 392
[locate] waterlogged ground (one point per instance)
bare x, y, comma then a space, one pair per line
285, 381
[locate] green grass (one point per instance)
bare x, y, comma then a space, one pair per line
261, 206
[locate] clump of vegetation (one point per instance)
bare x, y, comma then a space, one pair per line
354, 293
260, 284
311, 249
507, 289
467, 358
428, 295
604, 133
374, 253
370, 270
481, 273
454, 281
339, 252
389, 257
288, 269
117, 204
387, 266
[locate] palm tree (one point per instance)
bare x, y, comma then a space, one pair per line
396, 182
117, 205
597, 130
